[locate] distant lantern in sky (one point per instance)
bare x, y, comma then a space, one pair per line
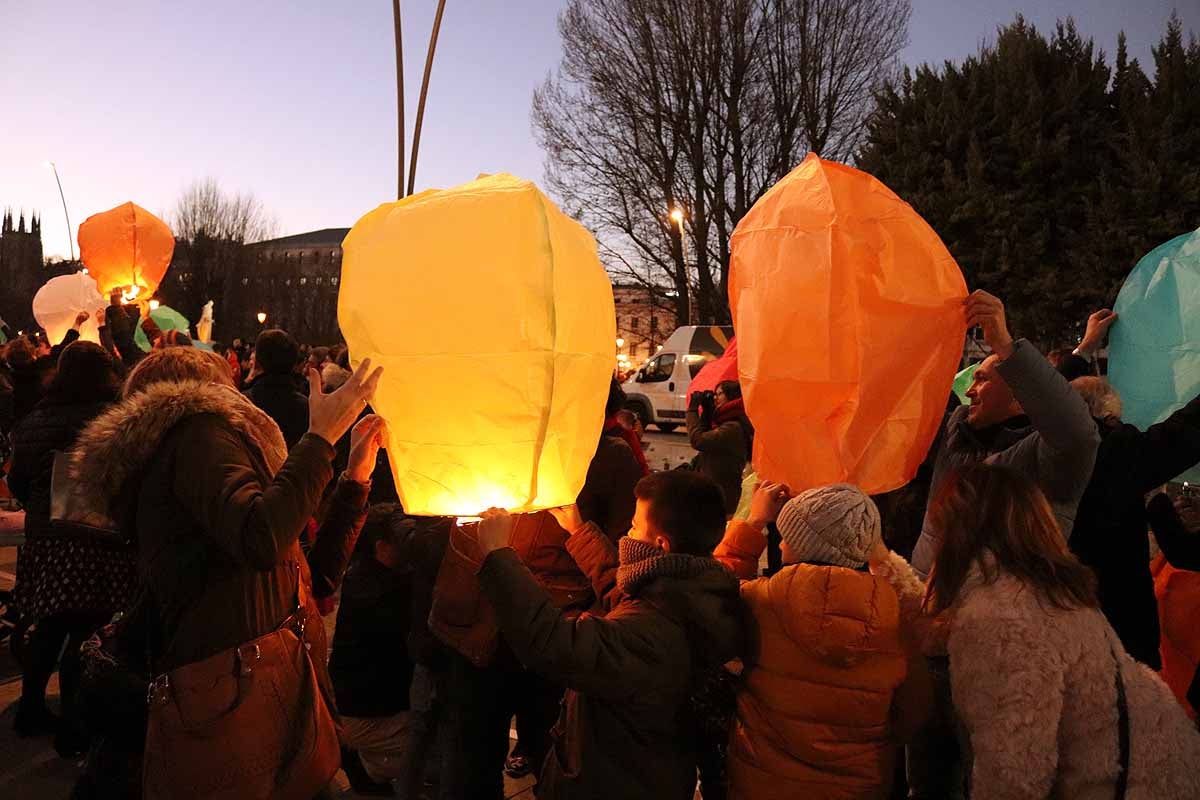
849, 317
126, 248
60, 300
493, 319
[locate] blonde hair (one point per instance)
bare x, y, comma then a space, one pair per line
177, 364
1103, 401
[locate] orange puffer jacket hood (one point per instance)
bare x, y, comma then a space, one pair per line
813, 715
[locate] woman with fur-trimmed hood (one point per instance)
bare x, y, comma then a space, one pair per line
1050, 702
201, 480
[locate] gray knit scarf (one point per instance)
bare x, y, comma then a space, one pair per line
641, 562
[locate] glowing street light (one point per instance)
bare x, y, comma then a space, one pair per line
620, 342
677, 218
262, 318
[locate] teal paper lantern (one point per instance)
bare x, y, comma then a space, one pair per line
1154, 348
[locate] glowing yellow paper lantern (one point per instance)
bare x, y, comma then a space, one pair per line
126, 248
493, 319
849, 317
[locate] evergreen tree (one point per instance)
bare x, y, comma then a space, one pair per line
1046, 172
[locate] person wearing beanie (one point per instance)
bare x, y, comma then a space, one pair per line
275, 385
673, 615
832, 685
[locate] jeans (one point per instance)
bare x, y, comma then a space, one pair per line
481, 705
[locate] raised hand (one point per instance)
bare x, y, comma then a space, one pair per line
768, 500
1097, 326
368, 436
494, 530
987, 311
331, 415
568, 518
81, 318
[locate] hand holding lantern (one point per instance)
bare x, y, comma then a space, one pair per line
493, 531
367, 438
331, 415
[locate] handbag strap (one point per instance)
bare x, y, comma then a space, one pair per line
1122, 730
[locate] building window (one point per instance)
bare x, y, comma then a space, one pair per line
245, 281
333, 281
653, 324
320, 280
633, 324
303, 281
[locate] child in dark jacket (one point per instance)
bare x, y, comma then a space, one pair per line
673, 612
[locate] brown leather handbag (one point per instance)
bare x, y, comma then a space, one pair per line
248, 722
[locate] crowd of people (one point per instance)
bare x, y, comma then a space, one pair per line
1017, 622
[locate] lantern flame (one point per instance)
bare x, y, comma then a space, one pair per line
130, 293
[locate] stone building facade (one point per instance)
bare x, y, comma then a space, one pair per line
23, 270
642, 324
293, 280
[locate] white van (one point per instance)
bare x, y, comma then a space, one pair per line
657, 392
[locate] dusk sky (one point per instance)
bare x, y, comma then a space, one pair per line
294, 100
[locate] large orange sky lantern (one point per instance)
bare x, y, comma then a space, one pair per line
493, 319
126, 248
850, 325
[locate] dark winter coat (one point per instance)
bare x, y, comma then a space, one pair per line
1111, 524
370, 664
623, 731
724, 449
51, 427
28, 388
201, 479
459, 617
1054, 444
607, 496
278, 396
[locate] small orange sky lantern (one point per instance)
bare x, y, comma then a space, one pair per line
850, 325
126, 248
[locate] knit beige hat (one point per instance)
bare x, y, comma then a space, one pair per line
835, 525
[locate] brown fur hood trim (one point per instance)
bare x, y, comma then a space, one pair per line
119, 442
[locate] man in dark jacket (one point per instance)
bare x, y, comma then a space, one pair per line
1022, 415
724, 438
275, 390
1110, 528
674, 612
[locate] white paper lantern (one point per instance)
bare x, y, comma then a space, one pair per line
60, 300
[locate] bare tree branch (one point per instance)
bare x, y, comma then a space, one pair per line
702, 104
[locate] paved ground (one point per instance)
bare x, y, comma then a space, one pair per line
667, 450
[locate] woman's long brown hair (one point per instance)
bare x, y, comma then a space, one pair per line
983, 508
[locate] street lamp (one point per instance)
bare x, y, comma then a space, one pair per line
262, 318
677, 218
620, 342
63, 197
